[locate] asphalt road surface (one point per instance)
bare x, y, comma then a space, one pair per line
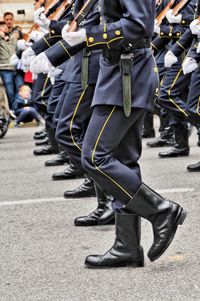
42, 254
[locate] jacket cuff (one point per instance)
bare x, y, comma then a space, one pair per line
101, 37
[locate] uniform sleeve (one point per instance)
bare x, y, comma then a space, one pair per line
135, 24
52, 37
175, 31
61, 52
193, 50
45, 42
183, 43
159, 43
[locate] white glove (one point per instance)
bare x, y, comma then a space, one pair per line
35, 35
172, 18
33, 67
41, 64
156, 27
52, 74
170, 59
22, 44
74, 38
27, 56
14, 60
64, 31
195, 27
198, 48
189, 65
40, 18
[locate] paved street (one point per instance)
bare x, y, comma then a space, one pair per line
42, 254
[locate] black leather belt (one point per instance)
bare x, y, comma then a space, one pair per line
113, 55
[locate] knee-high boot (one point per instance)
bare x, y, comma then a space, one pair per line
164, 215
126, 250
102, 215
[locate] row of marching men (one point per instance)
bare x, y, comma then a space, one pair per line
70, 77
176, 48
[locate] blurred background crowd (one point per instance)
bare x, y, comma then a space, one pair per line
15, 84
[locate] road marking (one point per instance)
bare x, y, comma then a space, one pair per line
61, 199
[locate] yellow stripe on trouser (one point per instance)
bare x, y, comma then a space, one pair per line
169, 94
93, 155
43, 89
71, 122
198, 106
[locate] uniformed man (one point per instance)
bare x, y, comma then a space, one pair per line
175, 86
112, 144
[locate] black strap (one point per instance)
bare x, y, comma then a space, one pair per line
85, 12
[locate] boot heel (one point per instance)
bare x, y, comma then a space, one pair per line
182, 217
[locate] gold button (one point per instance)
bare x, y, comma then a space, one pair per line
170, 34
105, 36
161, 33
117, 32
178, 34
183, 21
91, 39
52, 31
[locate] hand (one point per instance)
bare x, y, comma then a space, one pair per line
27, 57
52, 74
198, 48
64, 31
41, 64
2, 34
172, 18
189, 65
170, 59
33, 67
40, 18
156, 27
22, 44
195, 27
35, 35
14, 60
74, 38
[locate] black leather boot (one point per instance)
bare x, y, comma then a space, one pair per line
126, 250
41, 135
181, 147
198, 134
45, 141
71, 172
165, 139
164, 215
51, 148
85, 190
60, 159
90, 219
194, 167
148, 129
102, 215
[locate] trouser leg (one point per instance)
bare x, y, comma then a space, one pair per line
73, 120
108, 129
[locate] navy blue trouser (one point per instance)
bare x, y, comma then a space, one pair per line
111, 149
73, 120
53, 100
193, 101
174, 91
41, 92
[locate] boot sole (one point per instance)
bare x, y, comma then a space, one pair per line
70, 178
54, 164
133, 265
109, 221
180, 220
176, 156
